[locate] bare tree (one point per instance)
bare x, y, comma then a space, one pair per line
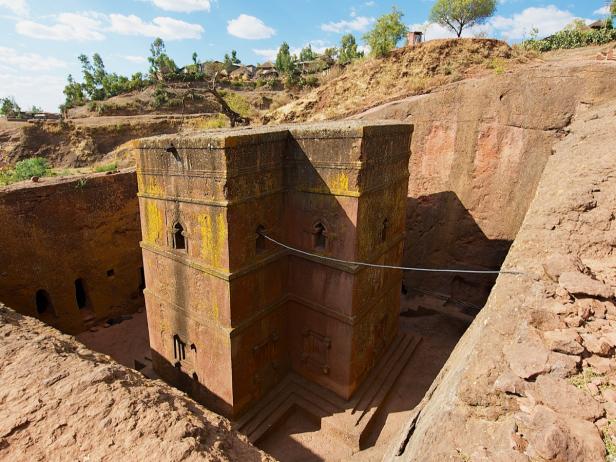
235, 119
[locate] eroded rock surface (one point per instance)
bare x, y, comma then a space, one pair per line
479, 149
61, 401
537, 366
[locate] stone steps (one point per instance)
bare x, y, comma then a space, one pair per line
372, 393
346, 420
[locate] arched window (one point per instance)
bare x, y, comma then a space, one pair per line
179, 237
384, 230
261, 242
320, 236
43, 302
80, 294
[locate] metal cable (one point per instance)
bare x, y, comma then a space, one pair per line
372, 265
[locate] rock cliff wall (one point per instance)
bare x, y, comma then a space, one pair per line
479, 149
70, 249
533, 378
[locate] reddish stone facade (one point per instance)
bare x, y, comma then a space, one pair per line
229, 312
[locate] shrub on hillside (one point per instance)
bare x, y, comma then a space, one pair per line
25, 169
566, 39
111, 167
237, 103
387, 32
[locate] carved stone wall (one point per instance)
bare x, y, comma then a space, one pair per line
70, 251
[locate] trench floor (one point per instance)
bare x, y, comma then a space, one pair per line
125, 342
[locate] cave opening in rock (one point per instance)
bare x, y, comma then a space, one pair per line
43, 302
81, 295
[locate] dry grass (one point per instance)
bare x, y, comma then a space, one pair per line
207, 123
405, 72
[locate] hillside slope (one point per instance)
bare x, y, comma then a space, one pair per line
406, 71
182, 98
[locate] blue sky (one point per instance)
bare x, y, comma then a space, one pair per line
41, 39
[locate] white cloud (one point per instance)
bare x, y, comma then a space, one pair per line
18, 7
68, 27
13, 59
268, 53
365, 49
604, 10
370, 3
548, 20
183, 6
356, 24
163, 27
249, 27
135, 59
33, 89
92, 25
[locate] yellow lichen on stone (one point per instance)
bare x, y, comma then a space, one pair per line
340, 182
213, 238
152, 187
154, 223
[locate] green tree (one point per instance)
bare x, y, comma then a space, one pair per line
87, 71
137, 82
460, 14
99, 69
232, 59
284, 61
348, 49
8, 106
613, 8
160, 62
36, 108
330, 53
307, 54
387, 32
195, 58
73, 93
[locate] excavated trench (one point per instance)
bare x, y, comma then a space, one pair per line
477, 158
444, 230
92, 295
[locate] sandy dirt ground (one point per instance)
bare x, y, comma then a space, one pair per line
125, 342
